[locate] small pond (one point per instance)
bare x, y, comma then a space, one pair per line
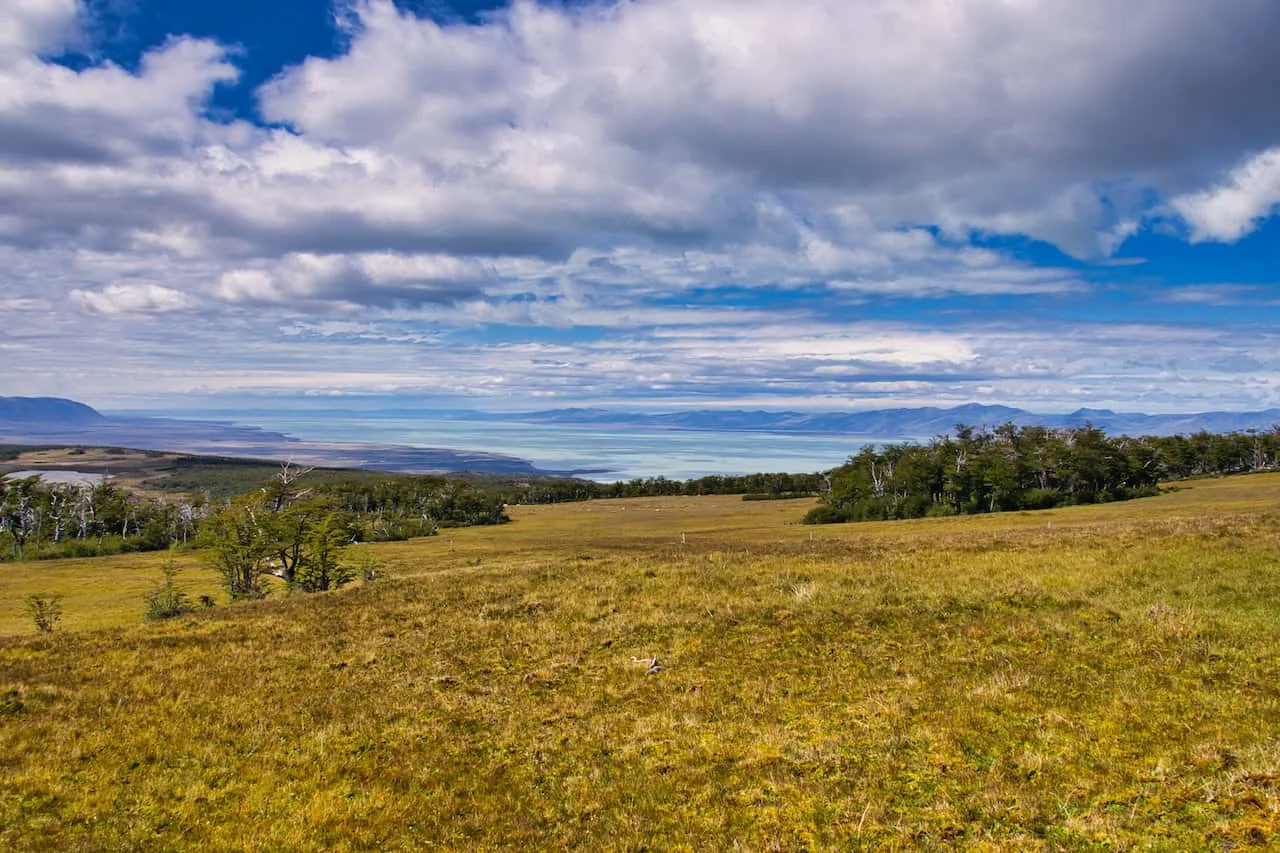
76, 478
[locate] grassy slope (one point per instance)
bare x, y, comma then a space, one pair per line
1097, 676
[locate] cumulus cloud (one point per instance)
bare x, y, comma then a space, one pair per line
667, 123
632, 169
132, 299
1232, 210
36, 26
1009, 117
52, 114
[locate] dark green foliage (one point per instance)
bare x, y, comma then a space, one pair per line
238, 547
1013, 468
400, 507
974, 471
40, 520
323, 566
283, 530
758, 486
780, 496
56, 520
225, 477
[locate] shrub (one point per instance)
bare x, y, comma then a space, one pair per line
826, 514
45, 610
167, 601
369, 568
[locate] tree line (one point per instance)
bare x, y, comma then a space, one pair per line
979, 470
40, 520
775, 485
973, 470
82, 520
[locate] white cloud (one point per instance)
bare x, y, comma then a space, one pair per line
1007, 117
615, 167
50, 114
133, 299
1235, 208
374, 279
655, 126
1216, 294
36, 26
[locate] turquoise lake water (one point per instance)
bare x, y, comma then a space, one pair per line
610, 453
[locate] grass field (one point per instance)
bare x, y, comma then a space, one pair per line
1088, 678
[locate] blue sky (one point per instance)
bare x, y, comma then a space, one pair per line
799, 204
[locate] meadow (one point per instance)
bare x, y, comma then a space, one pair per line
1096, 677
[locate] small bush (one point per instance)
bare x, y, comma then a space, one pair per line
826, 514
45, 611
368, 567
167, 601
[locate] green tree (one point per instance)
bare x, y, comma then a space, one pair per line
238, 546
20, 504
321, 566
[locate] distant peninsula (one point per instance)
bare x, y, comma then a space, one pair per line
53, 420
46, 410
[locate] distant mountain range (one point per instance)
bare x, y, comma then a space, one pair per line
53, 420
899, 424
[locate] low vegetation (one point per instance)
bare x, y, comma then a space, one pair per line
1089, 677
45, 611
168, 600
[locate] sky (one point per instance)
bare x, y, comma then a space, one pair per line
654, 204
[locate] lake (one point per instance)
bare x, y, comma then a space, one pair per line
74, 478
604, 453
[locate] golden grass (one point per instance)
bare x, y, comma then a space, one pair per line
97, 592
1095, 677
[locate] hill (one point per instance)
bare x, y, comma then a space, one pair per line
1087, 678
47, 410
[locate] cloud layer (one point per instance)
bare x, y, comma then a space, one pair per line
665, 199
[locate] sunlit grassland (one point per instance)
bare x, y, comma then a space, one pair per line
97, 592
1084, 678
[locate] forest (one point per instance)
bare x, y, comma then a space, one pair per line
978, 470
40, 520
